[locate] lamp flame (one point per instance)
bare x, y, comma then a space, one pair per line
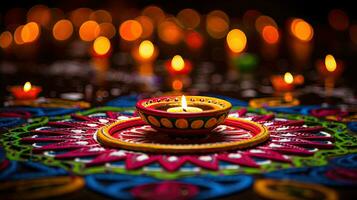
146, 49
27, 86
330, 63
183, 103
177, 63
288, 78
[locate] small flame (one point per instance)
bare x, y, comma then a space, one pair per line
27, 86
146, 49
177, 63
330, 63
288, 78
183, 102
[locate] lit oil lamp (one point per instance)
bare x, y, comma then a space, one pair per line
330, 67
176, 115
100, 53
283, 83
144, 56
330, 70
25, 92
178, 66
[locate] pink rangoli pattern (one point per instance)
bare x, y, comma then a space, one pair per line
76, 139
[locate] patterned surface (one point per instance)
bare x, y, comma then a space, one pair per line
301, 148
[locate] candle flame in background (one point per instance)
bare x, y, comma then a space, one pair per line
270, 34
89, 30
183, 102
263, 21
107, 29
330, 63
101, 16
130, 30
30, 32
17, 35
217, 24
236, 40
40, 14
170, 32
155, 13
189, 18
177, 85
146, 49
177, 63
288, 78
302, 30
62, 30
27, 87
101, 45
79, 16
147, 25
5, 39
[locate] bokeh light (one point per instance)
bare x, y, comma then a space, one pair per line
146, 49
194, 40
338, 19
236, 40
17, 35
170, 32
301, 30
263, 21
79, 16
217, 24
101, 45
249, 17
189, 18
130, 30
107, 29
155, 13
330, 63
147, 25
89, 30
30, 32
270, 34
177, 84
5, 39
177, 63
62, 30
101, 16
40, 14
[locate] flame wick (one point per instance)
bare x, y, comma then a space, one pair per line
184, 103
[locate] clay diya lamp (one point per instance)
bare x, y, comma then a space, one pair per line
27, 91
186, 116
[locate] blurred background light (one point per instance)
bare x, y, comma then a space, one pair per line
79, 16
30, 32
170, 32
189, 18
130, 30
89, 30
301, 30
5, 39
217, 24
62, 30
147, 26
270, 34
236, 40
101, 45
